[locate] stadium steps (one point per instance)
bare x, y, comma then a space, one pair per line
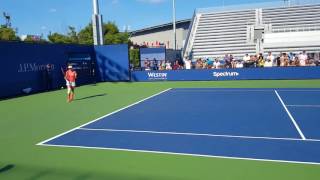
228, 32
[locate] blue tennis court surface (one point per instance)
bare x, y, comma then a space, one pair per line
256, 124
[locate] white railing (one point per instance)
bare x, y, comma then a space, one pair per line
296, 29
191, 35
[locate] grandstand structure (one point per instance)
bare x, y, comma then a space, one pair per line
252, 30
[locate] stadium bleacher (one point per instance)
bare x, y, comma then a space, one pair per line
214, 33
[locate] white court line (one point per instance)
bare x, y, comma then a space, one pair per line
183, 154
42, 142
311, 106
200, 134
291, 117
222, 90
243, 90
300, 90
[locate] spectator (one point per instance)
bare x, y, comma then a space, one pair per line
255, 60
232, 61
278, 60
209, 63
204, 64
303, 58
261, 60
147, 65
227, 61
176, 65
155, 64
168, 66
187, 64
316, 59
250, 62
286, 60
296, 61
270, 60
199, 64
216, 64
238, 64
282, 59
291, 58
246, 60
162, 65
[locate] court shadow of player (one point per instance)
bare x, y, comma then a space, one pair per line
83, 177
6, 168
39, 175
89, 97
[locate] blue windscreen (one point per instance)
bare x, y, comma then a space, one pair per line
24, 66
113, 62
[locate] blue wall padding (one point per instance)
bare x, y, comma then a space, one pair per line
23, 65
229, 74
113, 62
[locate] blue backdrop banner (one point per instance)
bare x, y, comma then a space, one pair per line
229, 74
113, 62
23, 67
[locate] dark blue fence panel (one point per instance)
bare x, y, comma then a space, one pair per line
229, 74
112, 62
24, 64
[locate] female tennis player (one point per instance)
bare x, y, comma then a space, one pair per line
70, 77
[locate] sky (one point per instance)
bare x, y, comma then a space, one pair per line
36, 17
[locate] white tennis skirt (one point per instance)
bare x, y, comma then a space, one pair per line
72, 84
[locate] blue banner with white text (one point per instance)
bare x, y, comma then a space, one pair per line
25, 66
229, 74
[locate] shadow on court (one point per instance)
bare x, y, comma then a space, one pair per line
39, 175
89, 97
6, 168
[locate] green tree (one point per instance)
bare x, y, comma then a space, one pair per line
58, 38
110, 28
8, 34
134, 57
124, 37
70, 38
111, 35
72, 35
85, 35
32, 39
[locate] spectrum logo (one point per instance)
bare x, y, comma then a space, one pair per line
225, 74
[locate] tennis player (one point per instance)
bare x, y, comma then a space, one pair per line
70, 77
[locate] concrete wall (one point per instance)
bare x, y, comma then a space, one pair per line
162, 37
292, 39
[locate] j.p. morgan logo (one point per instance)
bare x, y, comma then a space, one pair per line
162, 76
225, 74
32, 67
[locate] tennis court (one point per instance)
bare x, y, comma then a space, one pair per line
255, 124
